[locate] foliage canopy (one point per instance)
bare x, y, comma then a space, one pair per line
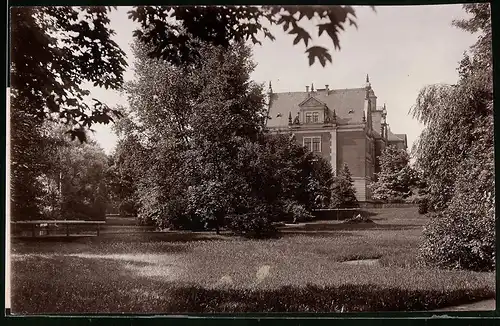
54, 52
456, 154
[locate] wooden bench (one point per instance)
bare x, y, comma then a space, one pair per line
67, 223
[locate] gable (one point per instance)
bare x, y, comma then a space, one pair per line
312, 102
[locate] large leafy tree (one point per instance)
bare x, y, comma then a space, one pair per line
285, 176
68, 181
208, 161
457, 117
177, 33
192, 120
456, 154
54, 51
300, 175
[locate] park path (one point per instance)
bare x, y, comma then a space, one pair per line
485, 305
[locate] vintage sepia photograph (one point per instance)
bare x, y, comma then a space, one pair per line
250, 159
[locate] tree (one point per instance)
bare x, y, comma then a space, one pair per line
54, 50
456, 154
29, 160
121, 177
193, 120
229, 111
322, 182
75, 183
207, 160
286, 176
343, 191
178, 33
397, 179
456, 117
83, 187
66, 177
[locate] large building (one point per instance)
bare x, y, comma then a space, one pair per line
341, 125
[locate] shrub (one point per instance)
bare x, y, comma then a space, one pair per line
254, 223
463, 234
296, 212
458, 238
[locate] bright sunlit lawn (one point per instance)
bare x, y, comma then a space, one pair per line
303, 271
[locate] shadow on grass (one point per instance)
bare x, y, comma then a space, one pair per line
311, 298
66, 285
119, 296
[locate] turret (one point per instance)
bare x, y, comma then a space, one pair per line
367, 110
270, 100
383, 123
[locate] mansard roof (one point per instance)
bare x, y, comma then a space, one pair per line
347, 103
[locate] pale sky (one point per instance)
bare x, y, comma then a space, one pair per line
402, 48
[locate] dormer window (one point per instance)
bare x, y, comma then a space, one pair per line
308, 117
312, 117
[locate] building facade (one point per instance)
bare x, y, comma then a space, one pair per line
341, 125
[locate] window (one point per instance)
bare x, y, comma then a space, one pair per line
313, 143
315, 116
312, 117
308, 117
308, 143
316, 145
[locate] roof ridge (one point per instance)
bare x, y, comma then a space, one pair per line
331, 90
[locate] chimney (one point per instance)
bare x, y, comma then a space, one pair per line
307, 89
326, 87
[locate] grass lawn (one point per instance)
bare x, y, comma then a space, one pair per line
303, 271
